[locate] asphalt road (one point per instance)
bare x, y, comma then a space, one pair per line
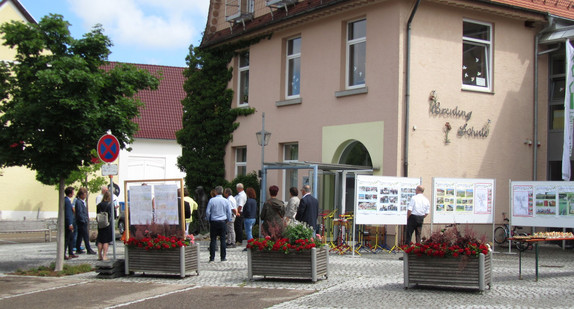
35, 292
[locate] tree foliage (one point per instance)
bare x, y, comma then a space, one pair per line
208, 118
57, 100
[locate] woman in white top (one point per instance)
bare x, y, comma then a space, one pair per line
292, 205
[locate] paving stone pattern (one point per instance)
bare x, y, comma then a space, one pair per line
370, 280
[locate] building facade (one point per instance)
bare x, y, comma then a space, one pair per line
430, 88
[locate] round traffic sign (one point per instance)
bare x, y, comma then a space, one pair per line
108, 148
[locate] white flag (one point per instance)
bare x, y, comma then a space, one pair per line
568, 112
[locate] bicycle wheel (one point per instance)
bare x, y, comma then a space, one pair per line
522, 245
500, 235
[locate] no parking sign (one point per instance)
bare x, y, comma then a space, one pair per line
108, 148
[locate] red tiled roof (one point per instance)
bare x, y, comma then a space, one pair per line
561, 8
161, 115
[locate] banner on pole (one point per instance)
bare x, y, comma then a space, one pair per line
568, 113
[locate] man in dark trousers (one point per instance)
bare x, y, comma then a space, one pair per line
69, 222
82, 222
308, 209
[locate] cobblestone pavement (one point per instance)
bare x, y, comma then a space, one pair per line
370, 280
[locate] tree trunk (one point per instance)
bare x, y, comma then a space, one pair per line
61, 250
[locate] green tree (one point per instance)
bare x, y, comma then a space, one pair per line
87, 176
57, 101
208, 118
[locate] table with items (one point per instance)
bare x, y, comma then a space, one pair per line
534, 240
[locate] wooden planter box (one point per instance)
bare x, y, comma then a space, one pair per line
308, 264
452, 272
169, 261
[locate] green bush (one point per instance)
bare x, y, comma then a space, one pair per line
298, 231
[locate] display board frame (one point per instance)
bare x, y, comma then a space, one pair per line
542, 203
383, 200
153, 204
463, 200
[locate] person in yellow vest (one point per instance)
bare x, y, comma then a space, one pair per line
193, 206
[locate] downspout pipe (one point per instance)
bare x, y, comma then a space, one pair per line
535, 131
408, 91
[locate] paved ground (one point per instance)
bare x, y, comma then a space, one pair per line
371, 280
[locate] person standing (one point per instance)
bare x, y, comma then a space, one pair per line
292, 205
241, 199
69, 222
250, 213
417, 210
82, 222
272, 215
105, 236
192, 207
308, 209
218, 213
228, 194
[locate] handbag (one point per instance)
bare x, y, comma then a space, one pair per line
102, 219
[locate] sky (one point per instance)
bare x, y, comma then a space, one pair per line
141, 31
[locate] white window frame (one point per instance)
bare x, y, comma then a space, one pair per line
288, 58
238, 163
349, 43
489, 55
240, 70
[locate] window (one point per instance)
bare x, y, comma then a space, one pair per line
557, 92
243, 81
293, 68
356, 53
240, 161
290, 154
477, 56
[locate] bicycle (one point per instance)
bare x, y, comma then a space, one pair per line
502, 233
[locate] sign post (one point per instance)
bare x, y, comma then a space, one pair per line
108, 151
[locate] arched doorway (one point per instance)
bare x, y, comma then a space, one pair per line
355, 153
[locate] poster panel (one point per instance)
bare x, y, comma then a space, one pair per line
166, 210
383, 200
141, 205
542, 203
462, 200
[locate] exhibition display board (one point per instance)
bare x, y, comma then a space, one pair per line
383, 200
461, 200
542, 203
153, 206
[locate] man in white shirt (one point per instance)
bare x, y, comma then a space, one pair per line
101, 196
241, 199
417, 210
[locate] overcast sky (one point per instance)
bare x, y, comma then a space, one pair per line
142, 31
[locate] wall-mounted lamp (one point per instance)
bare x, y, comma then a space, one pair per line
528, 142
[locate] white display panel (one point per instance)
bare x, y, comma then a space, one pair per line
460, 200
382, 199
542, 203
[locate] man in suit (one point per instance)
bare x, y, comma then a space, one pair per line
308, 209
82, 222
69, 223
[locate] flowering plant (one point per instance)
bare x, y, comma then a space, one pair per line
160, 242
450, 242
296, 237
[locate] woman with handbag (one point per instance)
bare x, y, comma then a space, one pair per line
104, 231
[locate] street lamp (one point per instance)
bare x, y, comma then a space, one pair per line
262, 139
